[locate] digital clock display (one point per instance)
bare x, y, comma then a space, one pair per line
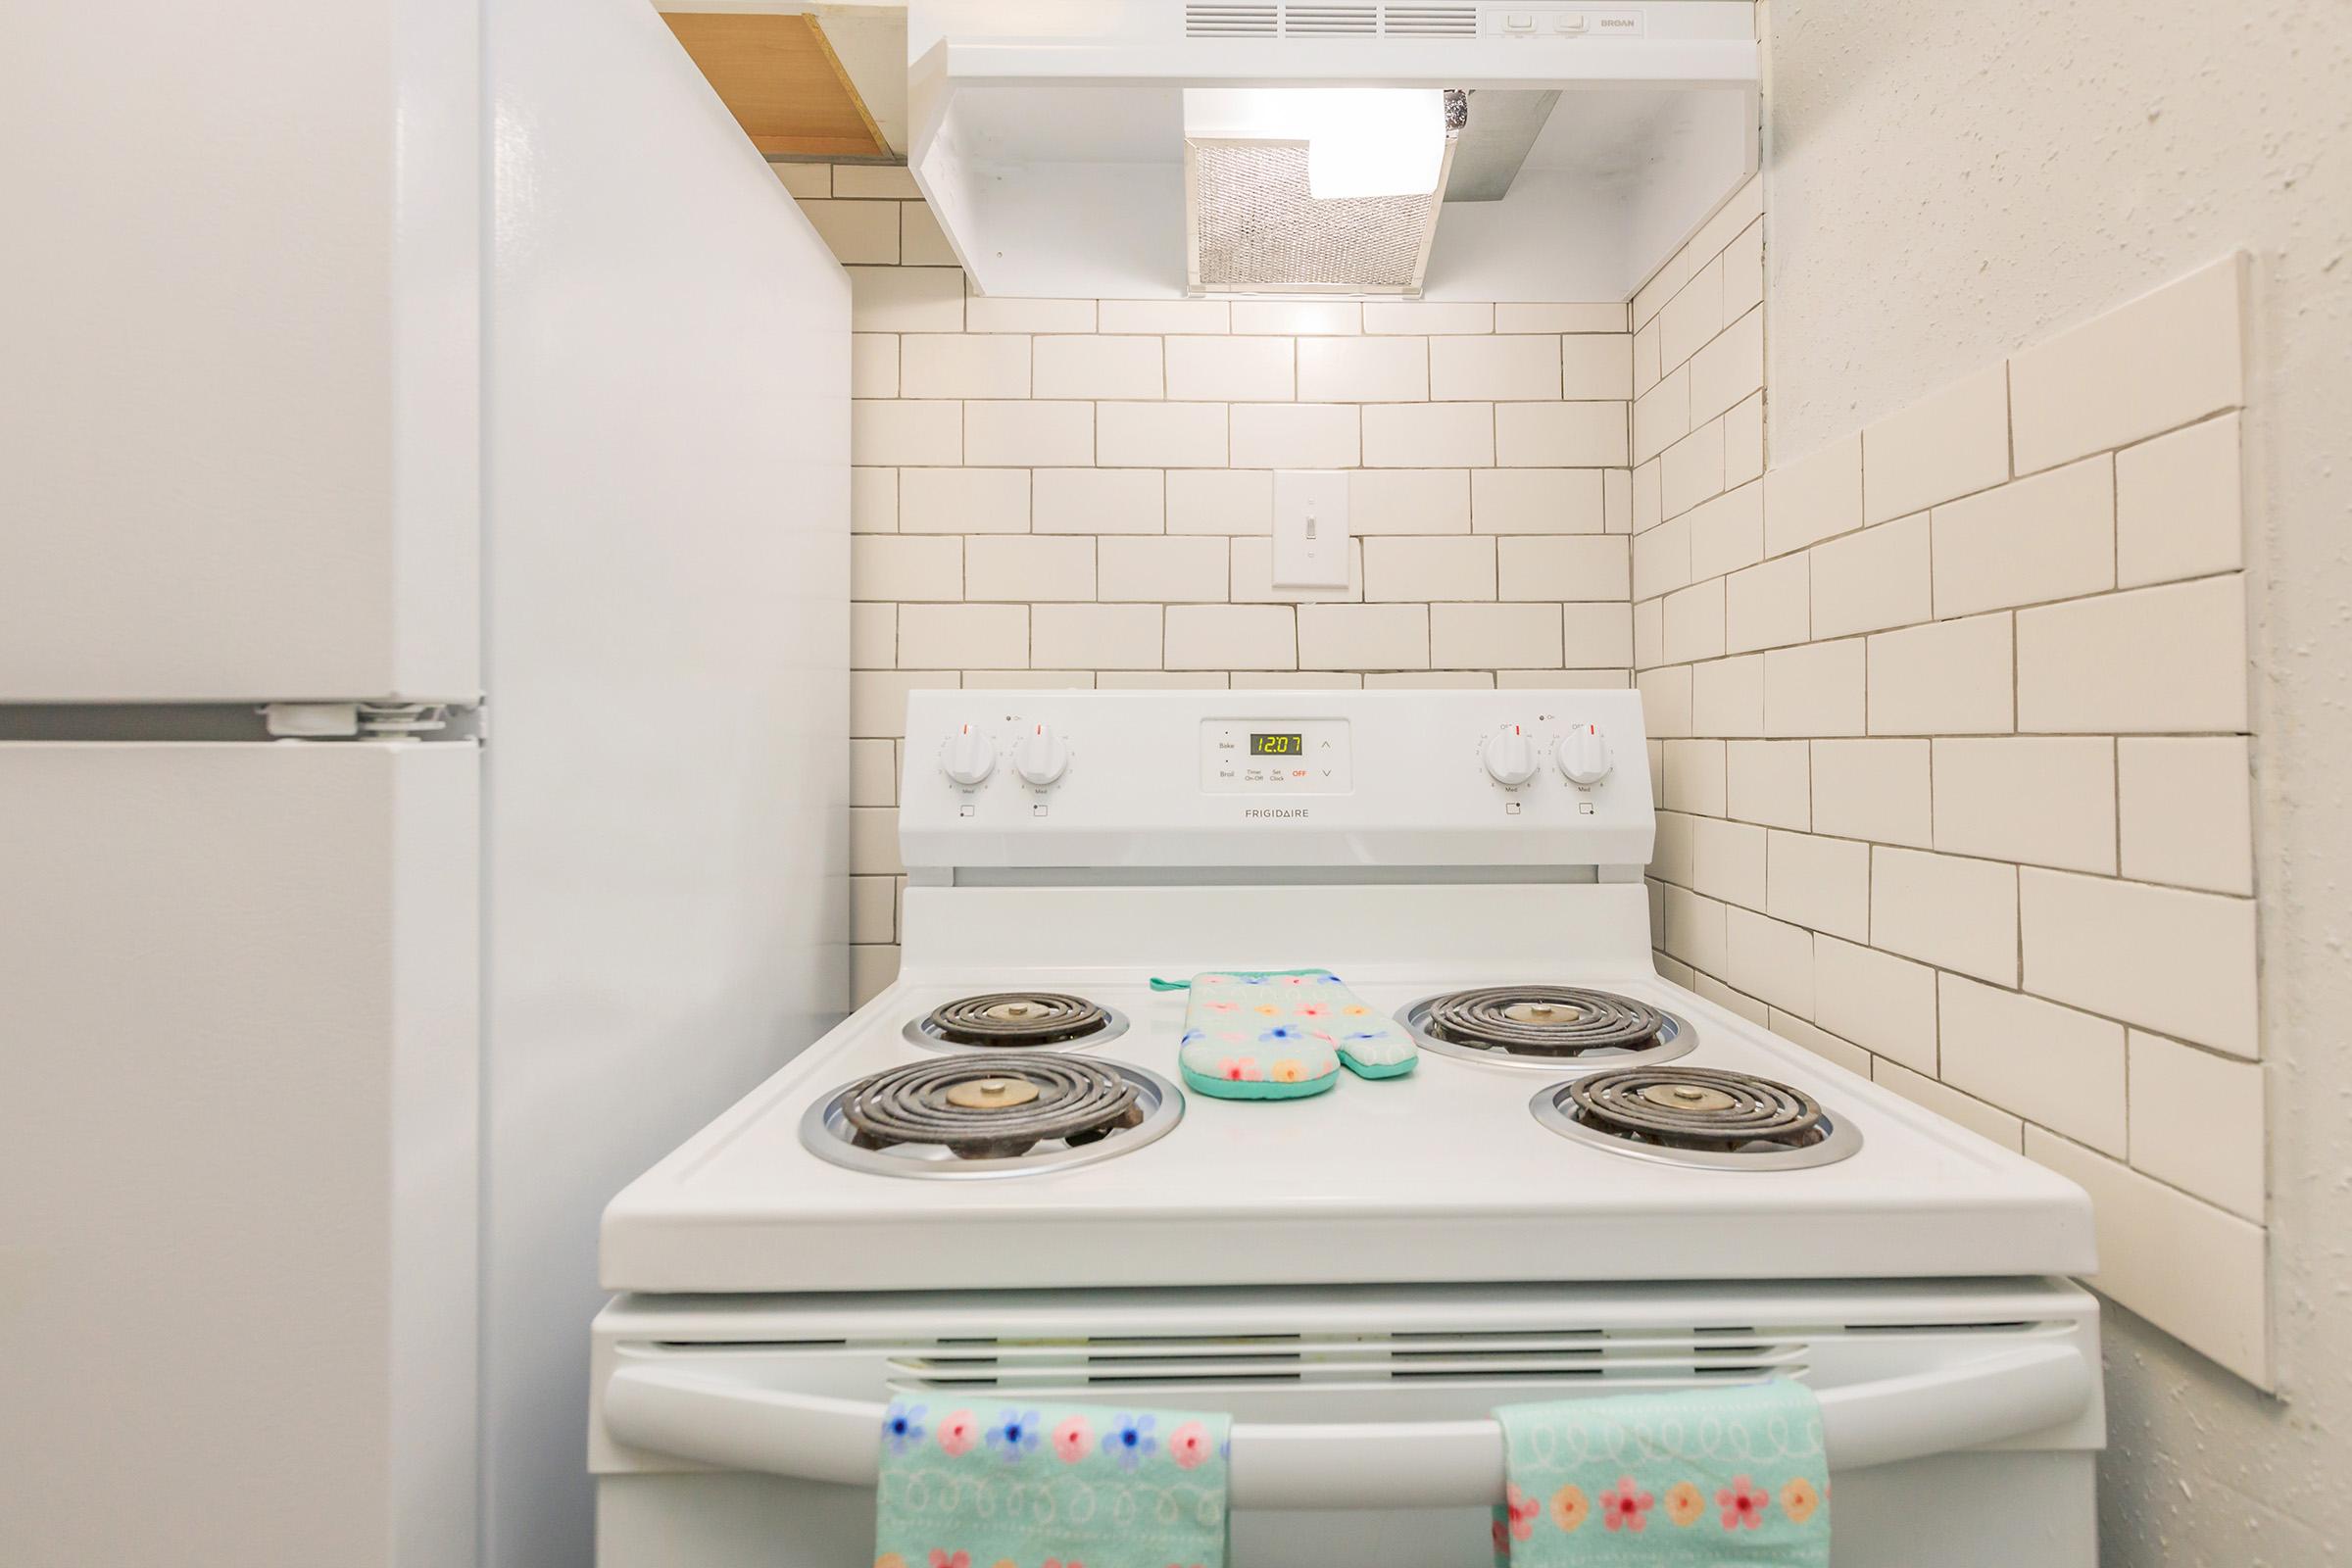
1277, 745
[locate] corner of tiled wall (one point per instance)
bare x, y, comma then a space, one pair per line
1952, 749
1079, 493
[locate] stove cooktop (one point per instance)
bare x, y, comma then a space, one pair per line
1469, 1168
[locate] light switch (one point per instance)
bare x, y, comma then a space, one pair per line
1310, 528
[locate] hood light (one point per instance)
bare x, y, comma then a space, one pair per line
1374, 141
1361, 142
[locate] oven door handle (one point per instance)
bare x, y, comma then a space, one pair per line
1389, 1464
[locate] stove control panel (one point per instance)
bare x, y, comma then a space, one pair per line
1208, 779
1277, 755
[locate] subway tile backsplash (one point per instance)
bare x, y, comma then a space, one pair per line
1079, 492
2000, 773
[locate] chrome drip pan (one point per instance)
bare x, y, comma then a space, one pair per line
1551, 1028
1017, 1020
1700, 1118
1146, 1107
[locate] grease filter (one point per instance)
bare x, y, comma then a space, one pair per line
1253, 225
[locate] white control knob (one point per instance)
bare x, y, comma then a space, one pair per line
1041, 759
1584, 754
968, 759
1510, 758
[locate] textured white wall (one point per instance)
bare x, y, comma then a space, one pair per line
1946, 184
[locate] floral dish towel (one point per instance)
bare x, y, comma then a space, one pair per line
1277, 1034
1713, 1478
990, 1484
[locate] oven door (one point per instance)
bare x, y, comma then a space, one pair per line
1963, 1419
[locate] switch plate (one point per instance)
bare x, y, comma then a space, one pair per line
1310, 528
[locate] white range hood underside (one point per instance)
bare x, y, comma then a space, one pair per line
1050, 139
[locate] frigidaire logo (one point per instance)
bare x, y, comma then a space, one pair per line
1275, 811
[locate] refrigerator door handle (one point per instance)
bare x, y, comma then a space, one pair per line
1412, 1464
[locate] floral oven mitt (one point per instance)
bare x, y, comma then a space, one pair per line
1283, 1033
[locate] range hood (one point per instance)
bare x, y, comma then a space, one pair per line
1086, 149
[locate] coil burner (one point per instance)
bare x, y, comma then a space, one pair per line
1009, 1114
1016, 1020
1697, 1116
1546, 1026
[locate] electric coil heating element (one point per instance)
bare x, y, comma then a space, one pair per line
1546, 1026
1697, 1115
974, 1114
1019, 1020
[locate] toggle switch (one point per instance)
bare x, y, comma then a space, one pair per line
1310, 529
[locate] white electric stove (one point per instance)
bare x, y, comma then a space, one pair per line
992, 1180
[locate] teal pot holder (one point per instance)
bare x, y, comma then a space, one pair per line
1281, 1034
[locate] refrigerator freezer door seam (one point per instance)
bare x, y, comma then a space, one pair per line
384, 719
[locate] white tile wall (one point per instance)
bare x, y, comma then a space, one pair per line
2052, 1066
2191, 1267
1170, 568
1947, 444
2165, 957
1948, 677
1768, 606
1232, 370
1770, 782
1446, 567
2169, 660
2178, 507
1078, 367
2043, 538
1087, 501
1079, 492
2034, 800
1364, 637
1875, 790
1171, 435
1364, 369
1881, 1003
1814, 689
1431, 501
1815, 497
1299, 435
1576, 434
2187, 811
1871, 581
1946, 909
1942, 1099
954, 364
2154, 365
1982, 830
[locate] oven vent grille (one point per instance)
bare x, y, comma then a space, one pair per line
1430, 22
1270, 19
1625, 1360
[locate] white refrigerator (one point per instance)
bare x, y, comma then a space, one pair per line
423, 578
